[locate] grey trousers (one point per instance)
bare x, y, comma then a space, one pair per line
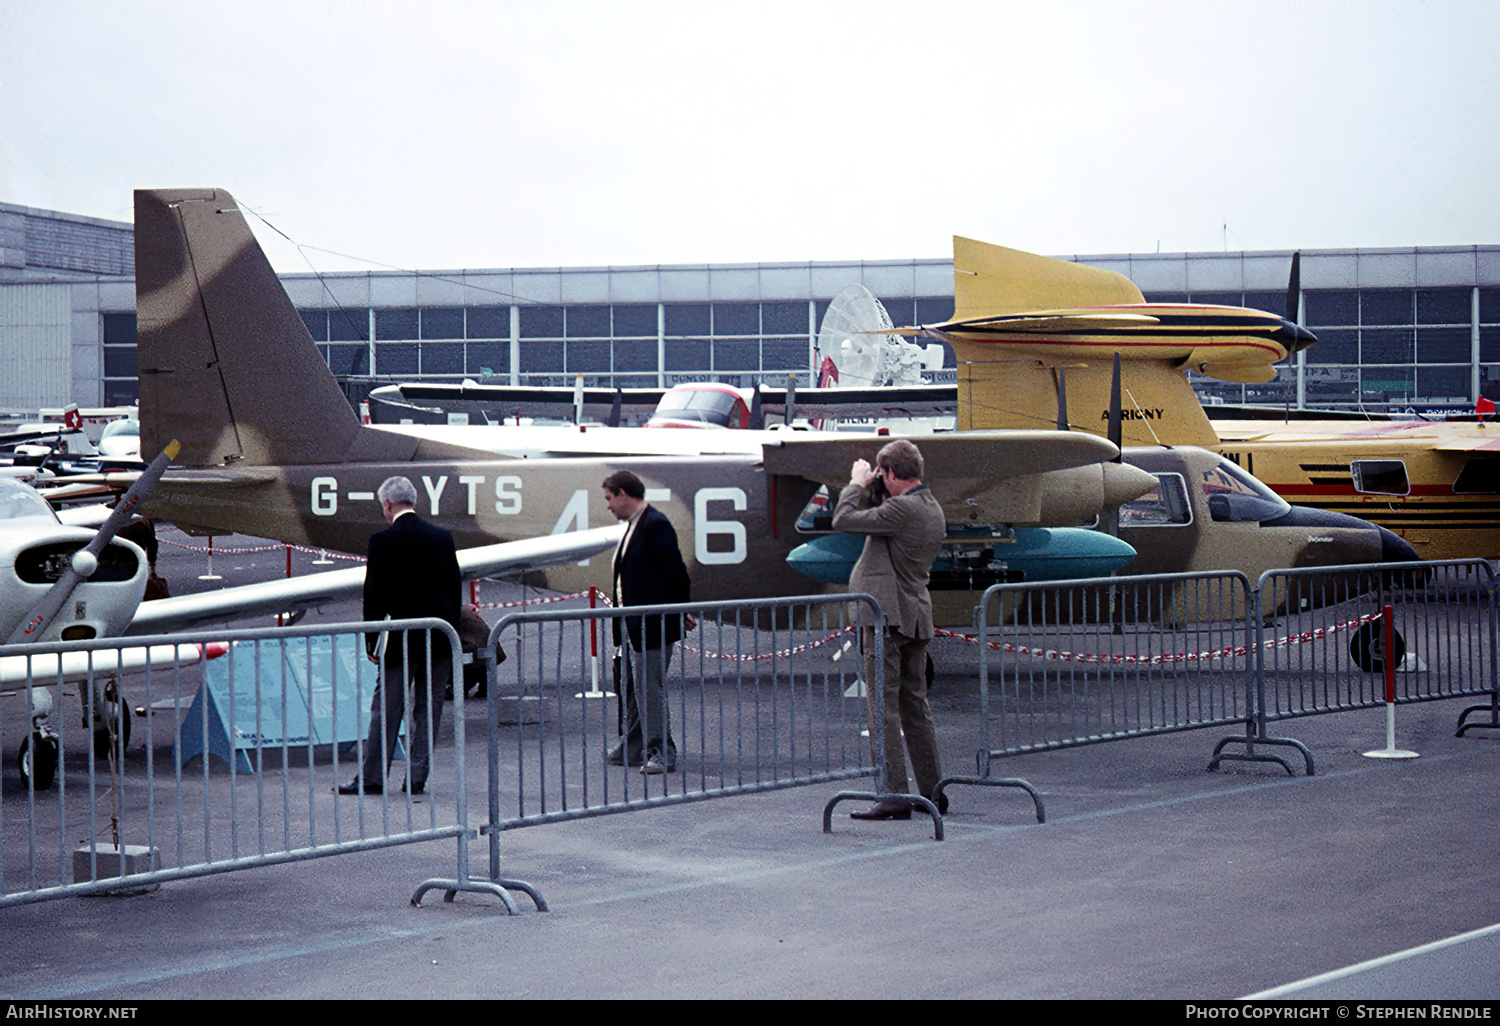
389, 706
902, 710
646, 725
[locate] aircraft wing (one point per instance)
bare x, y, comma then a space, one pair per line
1487, 447
494, 404
424, 403
987, 454
298, 593
1057, 478
52, 668
886, 401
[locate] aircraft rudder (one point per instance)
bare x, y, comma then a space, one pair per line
226, 363
993, 280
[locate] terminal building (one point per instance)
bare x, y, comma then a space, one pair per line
1397, 328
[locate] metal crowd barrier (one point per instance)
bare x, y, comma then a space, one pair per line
761, 695
1326, 653
1084, 662
283, 714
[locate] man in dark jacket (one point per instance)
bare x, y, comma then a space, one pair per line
411, 571
648, 570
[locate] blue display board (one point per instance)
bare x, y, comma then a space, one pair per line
281, 693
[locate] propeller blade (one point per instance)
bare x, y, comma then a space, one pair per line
614, 409
791, 398
1115, 432
757, 415
1294, 287
1062, 397
1112, 518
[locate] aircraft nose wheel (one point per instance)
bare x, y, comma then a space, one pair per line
1367, 647
37, 760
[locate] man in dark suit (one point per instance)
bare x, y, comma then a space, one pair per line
648, 570
411, 571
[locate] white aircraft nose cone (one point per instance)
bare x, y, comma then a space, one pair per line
85, 563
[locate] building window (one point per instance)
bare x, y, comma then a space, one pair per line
1386, 306
349, 324
1444, 306
588, 322
686, 318
541, 322
396, 324
736, 318
442, 322
1334, 307
488, 322
635, 320
121, 385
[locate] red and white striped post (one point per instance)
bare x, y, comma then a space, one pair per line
210, 576
1388, 663
594, 691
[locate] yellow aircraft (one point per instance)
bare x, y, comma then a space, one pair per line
1026, 326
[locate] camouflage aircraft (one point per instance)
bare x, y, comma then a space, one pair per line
270, 446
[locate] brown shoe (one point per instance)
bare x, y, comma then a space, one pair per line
884, 810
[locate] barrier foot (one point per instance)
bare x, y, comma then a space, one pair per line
530, 891
452, 887
1251, 755
916, 801
1494, 720
1036, 797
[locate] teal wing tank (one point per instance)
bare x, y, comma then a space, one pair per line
974, 561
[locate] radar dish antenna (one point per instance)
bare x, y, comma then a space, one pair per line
850, 335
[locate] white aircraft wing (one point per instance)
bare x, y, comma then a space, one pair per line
297, 593
53, 668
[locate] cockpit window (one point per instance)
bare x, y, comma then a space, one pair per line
18, 502
1236, 497
1166, 505
1380, 477
708, 405
124, 426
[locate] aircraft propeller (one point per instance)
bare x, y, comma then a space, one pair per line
86, 560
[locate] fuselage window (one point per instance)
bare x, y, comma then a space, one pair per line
1380, 477
1480, 476
1166, 505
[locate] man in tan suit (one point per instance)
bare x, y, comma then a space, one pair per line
905, 528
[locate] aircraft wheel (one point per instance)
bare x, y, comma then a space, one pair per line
1367, 647
37, 760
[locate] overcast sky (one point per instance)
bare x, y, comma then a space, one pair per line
497, 134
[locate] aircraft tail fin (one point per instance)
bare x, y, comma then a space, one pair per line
1157, 403
1003, 385
991, 281
226, 364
